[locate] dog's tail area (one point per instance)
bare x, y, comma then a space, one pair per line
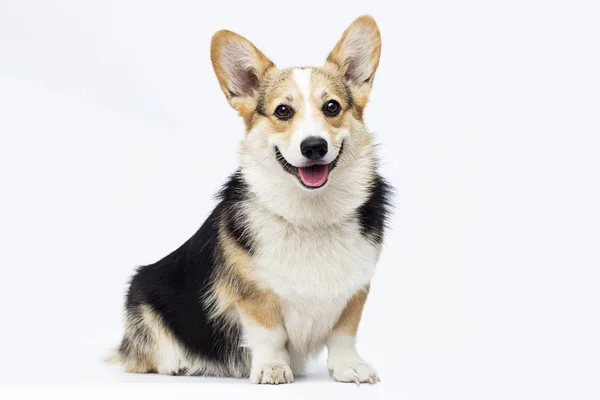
114, 357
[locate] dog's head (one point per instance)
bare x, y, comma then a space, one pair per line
305, 137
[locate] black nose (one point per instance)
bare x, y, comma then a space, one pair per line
313, 148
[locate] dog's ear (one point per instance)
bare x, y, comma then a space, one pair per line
357, 53
239, 66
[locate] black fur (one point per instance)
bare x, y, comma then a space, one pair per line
232, 195
373, 214
174, 286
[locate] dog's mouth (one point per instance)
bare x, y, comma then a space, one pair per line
311, 176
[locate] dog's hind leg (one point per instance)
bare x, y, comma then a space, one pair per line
137, 351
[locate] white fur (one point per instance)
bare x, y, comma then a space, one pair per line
283, 195
171, 358
314, 272
314, 260
357, 52
236, 60
169, 354
309, 249
344, 363
310, 125
270, 359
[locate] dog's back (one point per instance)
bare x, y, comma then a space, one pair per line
282, 266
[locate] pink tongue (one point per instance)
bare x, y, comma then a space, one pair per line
315, 175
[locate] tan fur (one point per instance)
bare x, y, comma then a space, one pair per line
350, 317
326, 85
142, 334
152, 348
236, 271
162, 336
236, 289
221, 301
264, 309
278, 87
140, 366
223, 47
362, 25
254, 87
342, 52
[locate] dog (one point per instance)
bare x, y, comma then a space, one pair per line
282, 266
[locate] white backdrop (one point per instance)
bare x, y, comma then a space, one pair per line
115, 135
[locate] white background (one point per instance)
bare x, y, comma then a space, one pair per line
115, 135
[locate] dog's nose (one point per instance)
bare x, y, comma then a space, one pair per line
313, 148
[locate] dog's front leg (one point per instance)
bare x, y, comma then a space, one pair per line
343, 361
266, 337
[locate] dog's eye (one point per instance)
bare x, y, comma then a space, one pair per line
284, 112
332, 108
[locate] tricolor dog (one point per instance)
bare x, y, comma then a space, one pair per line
282, 266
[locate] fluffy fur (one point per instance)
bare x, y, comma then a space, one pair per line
281, 268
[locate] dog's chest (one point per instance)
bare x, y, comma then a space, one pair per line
312, 263
314, 272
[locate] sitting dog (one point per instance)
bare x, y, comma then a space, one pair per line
282, 266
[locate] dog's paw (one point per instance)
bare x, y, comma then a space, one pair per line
272, 374
354, 371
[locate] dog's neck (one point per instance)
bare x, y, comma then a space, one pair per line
346, 191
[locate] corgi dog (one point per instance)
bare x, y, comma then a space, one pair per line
281, 268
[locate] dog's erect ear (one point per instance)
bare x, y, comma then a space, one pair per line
239, 66
357, 53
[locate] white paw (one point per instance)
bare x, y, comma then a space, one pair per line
273, 374
356, 371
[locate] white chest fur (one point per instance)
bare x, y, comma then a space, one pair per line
314, 271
